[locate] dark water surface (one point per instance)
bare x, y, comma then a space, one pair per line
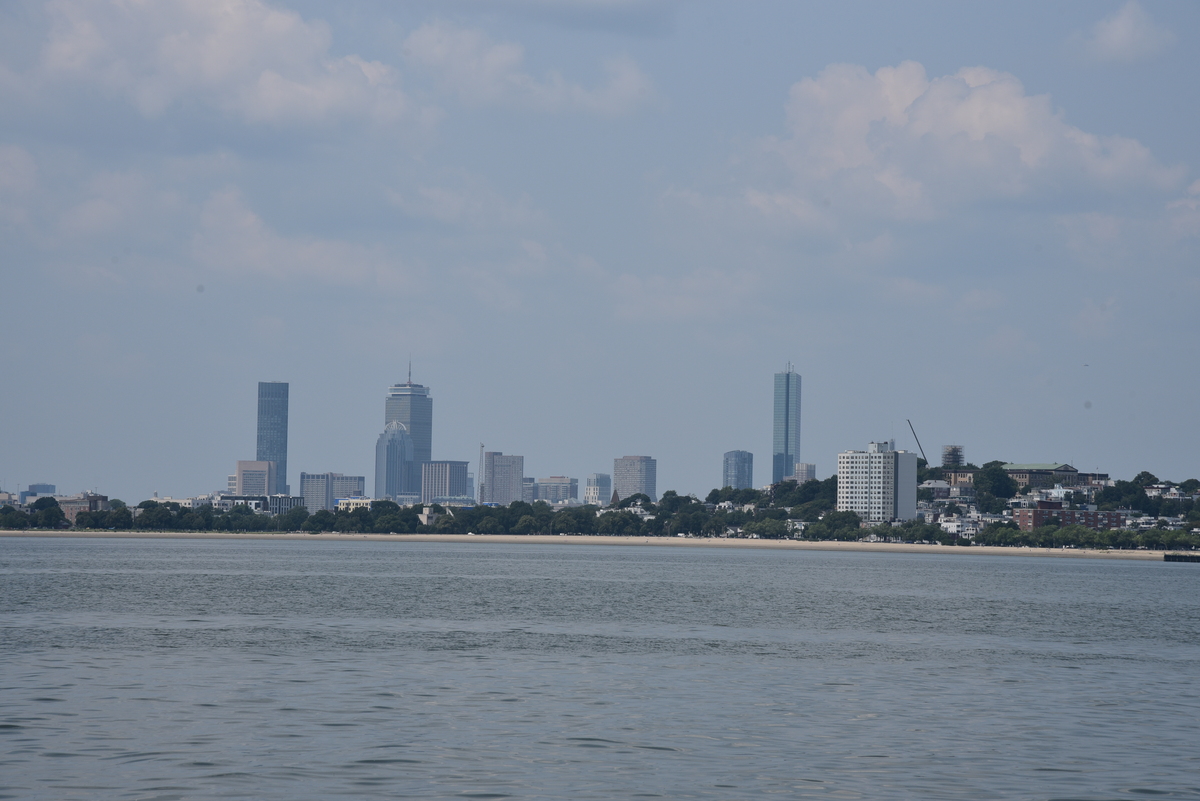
156, 669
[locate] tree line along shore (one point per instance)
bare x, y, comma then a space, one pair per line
765, 514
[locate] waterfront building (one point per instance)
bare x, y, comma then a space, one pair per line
785, 442
529, 489
1048, 512
281, 504
83, 502
254, 478
879, 484
597, 489
634, 474
273, 432
350, 504
502, 478
411, 405
557, 489
321, 490
444, 481
396, 473
738, 470
255, 503
805, 471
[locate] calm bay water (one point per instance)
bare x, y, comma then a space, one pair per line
156, 669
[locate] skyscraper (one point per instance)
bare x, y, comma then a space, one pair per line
502, 478
255, 478
410, 404
785, 445
323, 490
738, 470
634, 474
396, 473
597, 491
273, 432
880, 483
444, 481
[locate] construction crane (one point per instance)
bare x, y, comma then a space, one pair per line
922, 450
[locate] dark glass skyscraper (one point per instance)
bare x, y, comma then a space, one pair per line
273, 430
396, 474
410, 404
785, 446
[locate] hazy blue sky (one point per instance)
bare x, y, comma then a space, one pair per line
598, 228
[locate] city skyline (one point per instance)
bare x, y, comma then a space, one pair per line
596, 229
400, 477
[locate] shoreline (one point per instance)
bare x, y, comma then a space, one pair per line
661, 542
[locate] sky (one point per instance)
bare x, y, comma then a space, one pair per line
596, 228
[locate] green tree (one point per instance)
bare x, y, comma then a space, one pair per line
633, 499
292, 519
618, 524
992, 479
769, 529
12, 519
43, 503
120, 519
1145, 479
321, 520
528, 524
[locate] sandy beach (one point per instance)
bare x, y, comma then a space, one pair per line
660, 542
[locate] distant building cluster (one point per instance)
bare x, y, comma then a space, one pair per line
879, 484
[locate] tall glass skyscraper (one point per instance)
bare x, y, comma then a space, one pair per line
738, 470
410, 404
785, 446
396, 474
273, 431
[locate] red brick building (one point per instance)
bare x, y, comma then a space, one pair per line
1029, 519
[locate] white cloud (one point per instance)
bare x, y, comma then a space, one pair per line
18, 177
483, 72
897, 144
18, 171
471, 202
1185, 213
244, 57
231, 238
1095, 320
1127, 35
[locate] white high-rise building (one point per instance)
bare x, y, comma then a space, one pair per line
598, 489
502, 478
880, 483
